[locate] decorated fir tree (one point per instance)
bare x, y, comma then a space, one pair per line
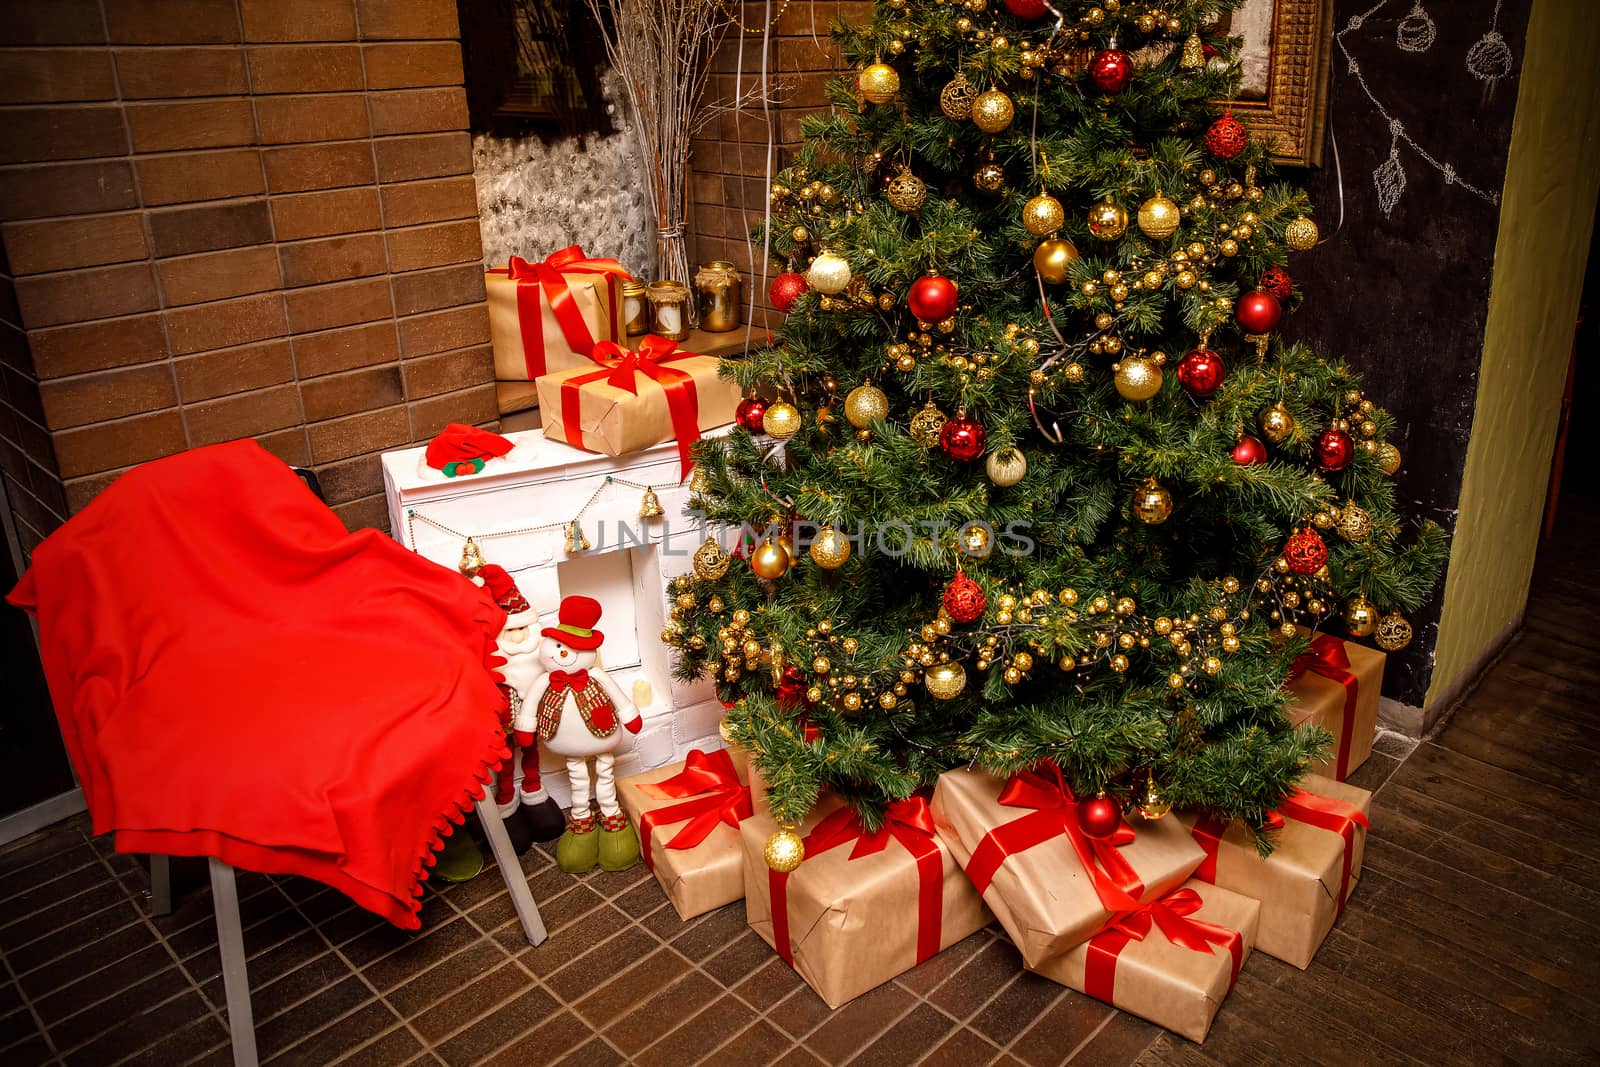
1033, 475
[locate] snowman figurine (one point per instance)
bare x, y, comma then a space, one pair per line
577, 712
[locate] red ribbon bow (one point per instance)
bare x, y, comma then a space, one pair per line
1171, 914
909, 822
619, 367
1325, 813
546, 281
708, 778
561, 680
1326, 657
1055, 815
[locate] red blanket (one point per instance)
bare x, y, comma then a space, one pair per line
238, 676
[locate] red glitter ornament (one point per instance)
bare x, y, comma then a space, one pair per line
1334, 450
785, 289
1227, 137
1111, 70
963, 599
1100, 816
1276, 280
962, 439
932, 298
1258, 312
1202, 372
1249, 451
1027, 9
749, 413
1305, 552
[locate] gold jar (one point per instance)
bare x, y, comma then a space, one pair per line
635, 307
669, 309
718, 295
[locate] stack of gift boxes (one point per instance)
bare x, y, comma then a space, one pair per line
1156, 917
560, 324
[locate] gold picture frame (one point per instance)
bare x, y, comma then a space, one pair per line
1286, 58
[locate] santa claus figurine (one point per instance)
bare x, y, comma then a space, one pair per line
529, 812
576, 711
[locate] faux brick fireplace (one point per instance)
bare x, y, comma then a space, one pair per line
232, 218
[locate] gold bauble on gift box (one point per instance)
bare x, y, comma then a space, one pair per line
710, 561
1042, 215
1053, 260
992, 111
1158, 218
770, 560
784, 851
781, 420
907, 191
1394, 632
955, 100
1300, 234
878, 83
1137, 378
864, 404
945, 681
1108, 220
1360, 617
1276, 423
1006, 467
830, 550
1152, 504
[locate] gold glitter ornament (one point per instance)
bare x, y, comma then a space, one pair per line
1137, 378
1194, 53
1043, 215
1388, 458
926, 424
1006, 467
1108, 220
1053, 260
784, 850
830, 550
945, 681
1354, 523
864, 404
878, 83
992, 111
907, 191
955, 100
1393, 633
1152, 504
1300, 234
1158, 218
781, 420
1276, 423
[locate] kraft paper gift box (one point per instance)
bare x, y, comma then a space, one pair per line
862, 907
1172, 962
1051, 885
548, 316
1336, 685
622, 401
749, 773
1321, 839
687, 815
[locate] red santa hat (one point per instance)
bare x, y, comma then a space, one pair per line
503, 588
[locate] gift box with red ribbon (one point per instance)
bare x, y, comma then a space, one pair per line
1172, 961
864, 906
1335, 685
687, 815
548, 316
744, 763
1051, 884
622, 401
1321, 834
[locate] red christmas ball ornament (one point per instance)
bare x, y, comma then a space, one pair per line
1111, 70
1202, 372
932, 298
792, 689
963, 599
785, 289
1258, 312
1249, 451
1100, 816
1209, 51
1276, 280
750, 412
1227, 137
1305, 552
1334, 450
962, 439
1027, 9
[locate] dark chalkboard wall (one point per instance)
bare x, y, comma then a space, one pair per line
1403, 293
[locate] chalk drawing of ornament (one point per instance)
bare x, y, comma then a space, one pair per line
1489, 59
1390, 178
1416, 32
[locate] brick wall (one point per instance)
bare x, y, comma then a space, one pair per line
226, 219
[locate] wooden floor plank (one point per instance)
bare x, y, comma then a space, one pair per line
1535, 719
1568, 812
1514, 754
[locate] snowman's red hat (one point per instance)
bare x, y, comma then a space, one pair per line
576, 629
503, 588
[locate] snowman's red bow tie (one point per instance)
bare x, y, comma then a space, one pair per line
560, 680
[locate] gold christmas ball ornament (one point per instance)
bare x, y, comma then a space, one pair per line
1108, 220
945, 681
955, 100
1053, 260
1388, 458
1354, 524
1360, 617
977, 540
926, 424
1276, 423
1137, 378
784, 850
864, 404
828, 273
906, 191
1158, 218
1300, 234
1152, 504
830, 550
1006, 467
770, 560
992, 111
1043, 215
878, 83
990, 177
710, 561
1151, 802
781, 420
1393, 633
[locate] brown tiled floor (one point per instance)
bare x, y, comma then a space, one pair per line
1469, 940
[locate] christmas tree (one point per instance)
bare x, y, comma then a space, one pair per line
1030, 473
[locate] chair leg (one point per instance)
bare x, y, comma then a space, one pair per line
235, 981
511, 870
160, 884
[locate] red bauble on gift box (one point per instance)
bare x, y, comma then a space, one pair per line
1111, 70
1334, 450
1276, 280
785, 289
1027, 9
1227, 137
932, 298
1249, 451
962, 439
750, 412
1258, 312
1201, 372
1305, 552
963, 599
